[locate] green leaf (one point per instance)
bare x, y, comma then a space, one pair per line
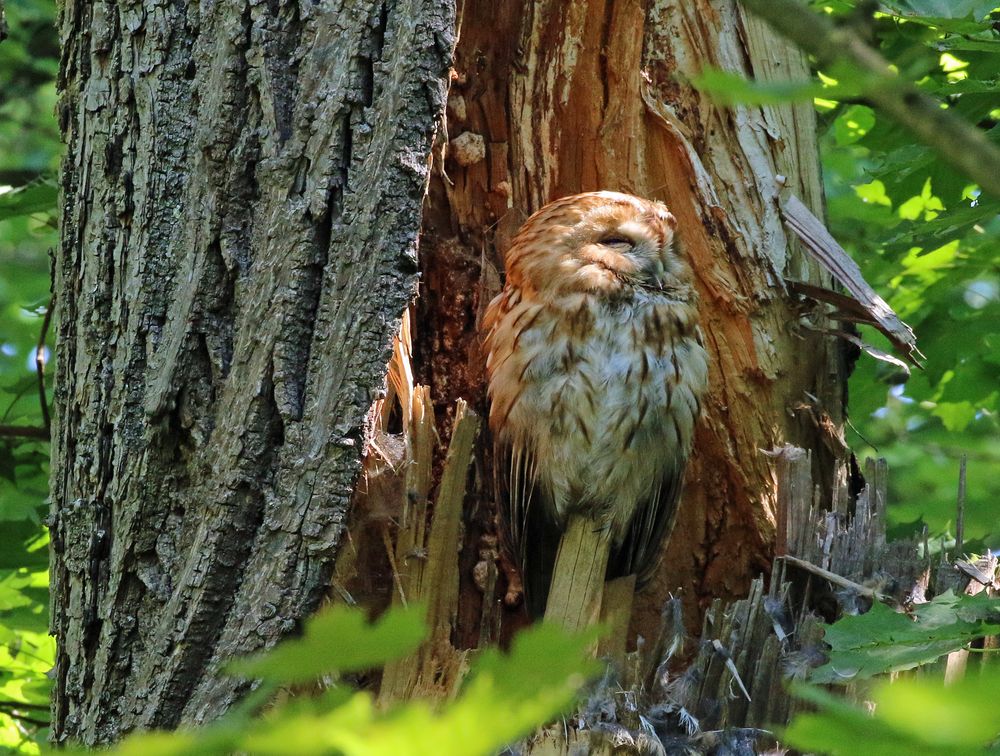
873, 192
843, 729
882, 640
506, 697
38, 196
956, 416
852, 124
943, 9
909, 716
338, 640
731, 89
925, 204
943, 715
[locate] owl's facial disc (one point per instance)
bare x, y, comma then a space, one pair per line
610, 255
602, 243
634, 253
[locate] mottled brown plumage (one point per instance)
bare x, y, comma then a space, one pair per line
596, 372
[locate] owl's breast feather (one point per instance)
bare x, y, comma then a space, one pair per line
605, 396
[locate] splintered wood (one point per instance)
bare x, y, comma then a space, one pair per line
866, 306
428, 560
724, 694
846, 545
616, 610
723, 698
734, 689
421, 542
574, 601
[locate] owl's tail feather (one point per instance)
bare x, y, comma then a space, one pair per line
574, 599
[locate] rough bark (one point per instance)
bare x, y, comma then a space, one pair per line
571, 97
241, 207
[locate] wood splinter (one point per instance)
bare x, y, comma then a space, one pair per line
574, 601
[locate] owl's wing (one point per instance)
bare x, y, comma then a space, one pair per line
640, 551
529, 535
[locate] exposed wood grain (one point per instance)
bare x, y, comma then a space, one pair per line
594, 95
574, 601
868, 307
733, 695
616, 611
444, 540
437, 667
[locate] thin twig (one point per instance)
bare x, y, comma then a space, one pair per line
22, 705
833, 577
24, 431
28, 720
40, 363
13, 708
391, 553
854, 428
960, 515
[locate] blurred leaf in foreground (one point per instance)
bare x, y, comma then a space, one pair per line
505, 697
911, 715
338, 639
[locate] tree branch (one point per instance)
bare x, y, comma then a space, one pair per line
832, 577
40, 362
24, 431
13, 709
959, 143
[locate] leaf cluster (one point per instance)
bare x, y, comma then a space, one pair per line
913, 714
929, 241
881, 640
916, 715
504, 697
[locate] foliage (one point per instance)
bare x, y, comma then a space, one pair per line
914, 715
504, 697
29, 154
929, 242
392, 636
882, 640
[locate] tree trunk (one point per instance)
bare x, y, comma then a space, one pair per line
241, 212
241, 207
570, 97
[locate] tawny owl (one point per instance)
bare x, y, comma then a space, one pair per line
596, 372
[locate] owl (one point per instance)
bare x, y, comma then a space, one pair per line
596, 370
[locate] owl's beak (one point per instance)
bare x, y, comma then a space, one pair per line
614, 262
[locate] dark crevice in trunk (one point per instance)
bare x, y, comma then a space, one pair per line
203, 628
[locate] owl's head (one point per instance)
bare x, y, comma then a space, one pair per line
598, 242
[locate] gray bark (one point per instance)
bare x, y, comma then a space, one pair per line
240, 213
